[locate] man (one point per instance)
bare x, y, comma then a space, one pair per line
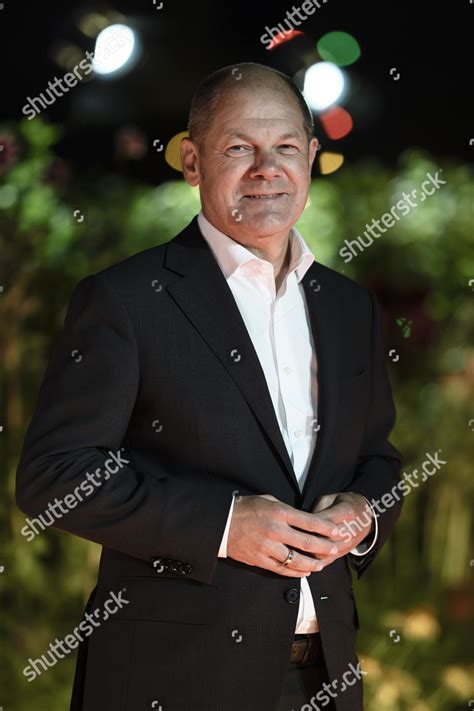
240, 386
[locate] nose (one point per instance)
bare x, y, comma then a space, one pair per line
265, 165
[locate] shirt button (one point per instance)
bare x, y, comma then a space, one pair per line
287, 370
298, 433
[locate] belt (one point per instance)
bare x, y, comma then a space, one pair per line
306, 649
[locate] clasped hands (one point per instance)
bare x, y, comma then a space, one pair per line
263, 530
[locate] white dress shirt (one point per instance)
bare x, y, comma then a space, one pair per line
278, 325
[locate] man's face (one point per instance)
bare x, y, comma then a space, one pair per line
256, 146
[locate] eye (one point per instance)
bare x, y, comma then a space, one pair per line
235, 149
288, 148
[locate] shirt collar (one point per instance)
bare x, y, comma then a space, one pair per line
231, 256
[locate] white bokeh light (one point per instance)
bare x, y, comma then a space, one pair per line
114, 48
323, 85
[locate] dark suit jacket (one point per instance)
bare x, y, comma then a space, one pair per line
166, 370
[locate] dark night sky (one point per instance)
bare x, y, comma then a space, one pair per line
430, 46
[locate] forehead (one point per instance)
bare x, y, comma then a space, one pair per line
256, 111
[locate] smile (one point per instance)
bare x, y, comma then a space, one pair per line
265, 197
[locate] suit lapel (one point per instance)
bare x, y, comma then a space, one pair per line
324, 314
207, 301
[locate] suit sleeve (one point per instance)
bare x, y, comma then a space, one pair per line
82, 413
378, 465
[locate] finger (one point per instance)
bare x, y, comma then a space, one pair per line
275, 566
310, 543
305, 563
328, 561
338, 513
300, 563
314, 523
339, 518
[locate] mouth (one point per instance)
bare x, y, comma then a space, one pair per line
269, 196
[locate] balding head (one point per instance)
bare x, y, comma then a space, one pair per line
248, 76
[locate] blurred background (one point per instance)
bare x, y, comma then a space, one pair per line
90, 173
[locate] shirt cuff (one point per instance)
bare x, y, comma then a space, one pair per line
223, 547
362, 547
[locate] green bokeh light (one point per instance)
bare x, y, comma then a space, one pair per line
339, 47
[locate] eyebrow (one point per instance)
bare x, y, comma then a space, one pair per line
235, 133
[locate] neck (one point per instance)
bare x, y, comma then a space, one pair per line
278, 256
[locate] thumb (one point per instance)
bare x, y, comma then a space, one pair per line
324, 502
269, 497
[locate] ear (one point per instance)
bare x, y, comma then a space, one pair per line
313, 147
190, 161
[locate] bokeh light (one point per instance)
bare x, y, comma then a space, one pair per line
339, 47
330, 162
114, 49
283, 37
324, 84
337, 122
173, 152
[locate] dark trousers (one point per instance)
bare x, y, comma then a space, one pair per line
302, 683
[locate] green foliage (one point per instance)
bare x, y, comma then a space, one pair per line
420, 585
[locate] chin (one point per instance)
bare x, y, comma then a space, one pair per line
255, 229
270, 223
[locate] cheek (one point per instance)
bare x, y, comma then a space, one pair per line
226, 177
301, 181
299, 172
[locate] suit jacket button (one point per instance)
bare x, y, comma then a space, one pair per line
176, 566
187, 568
292, 595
